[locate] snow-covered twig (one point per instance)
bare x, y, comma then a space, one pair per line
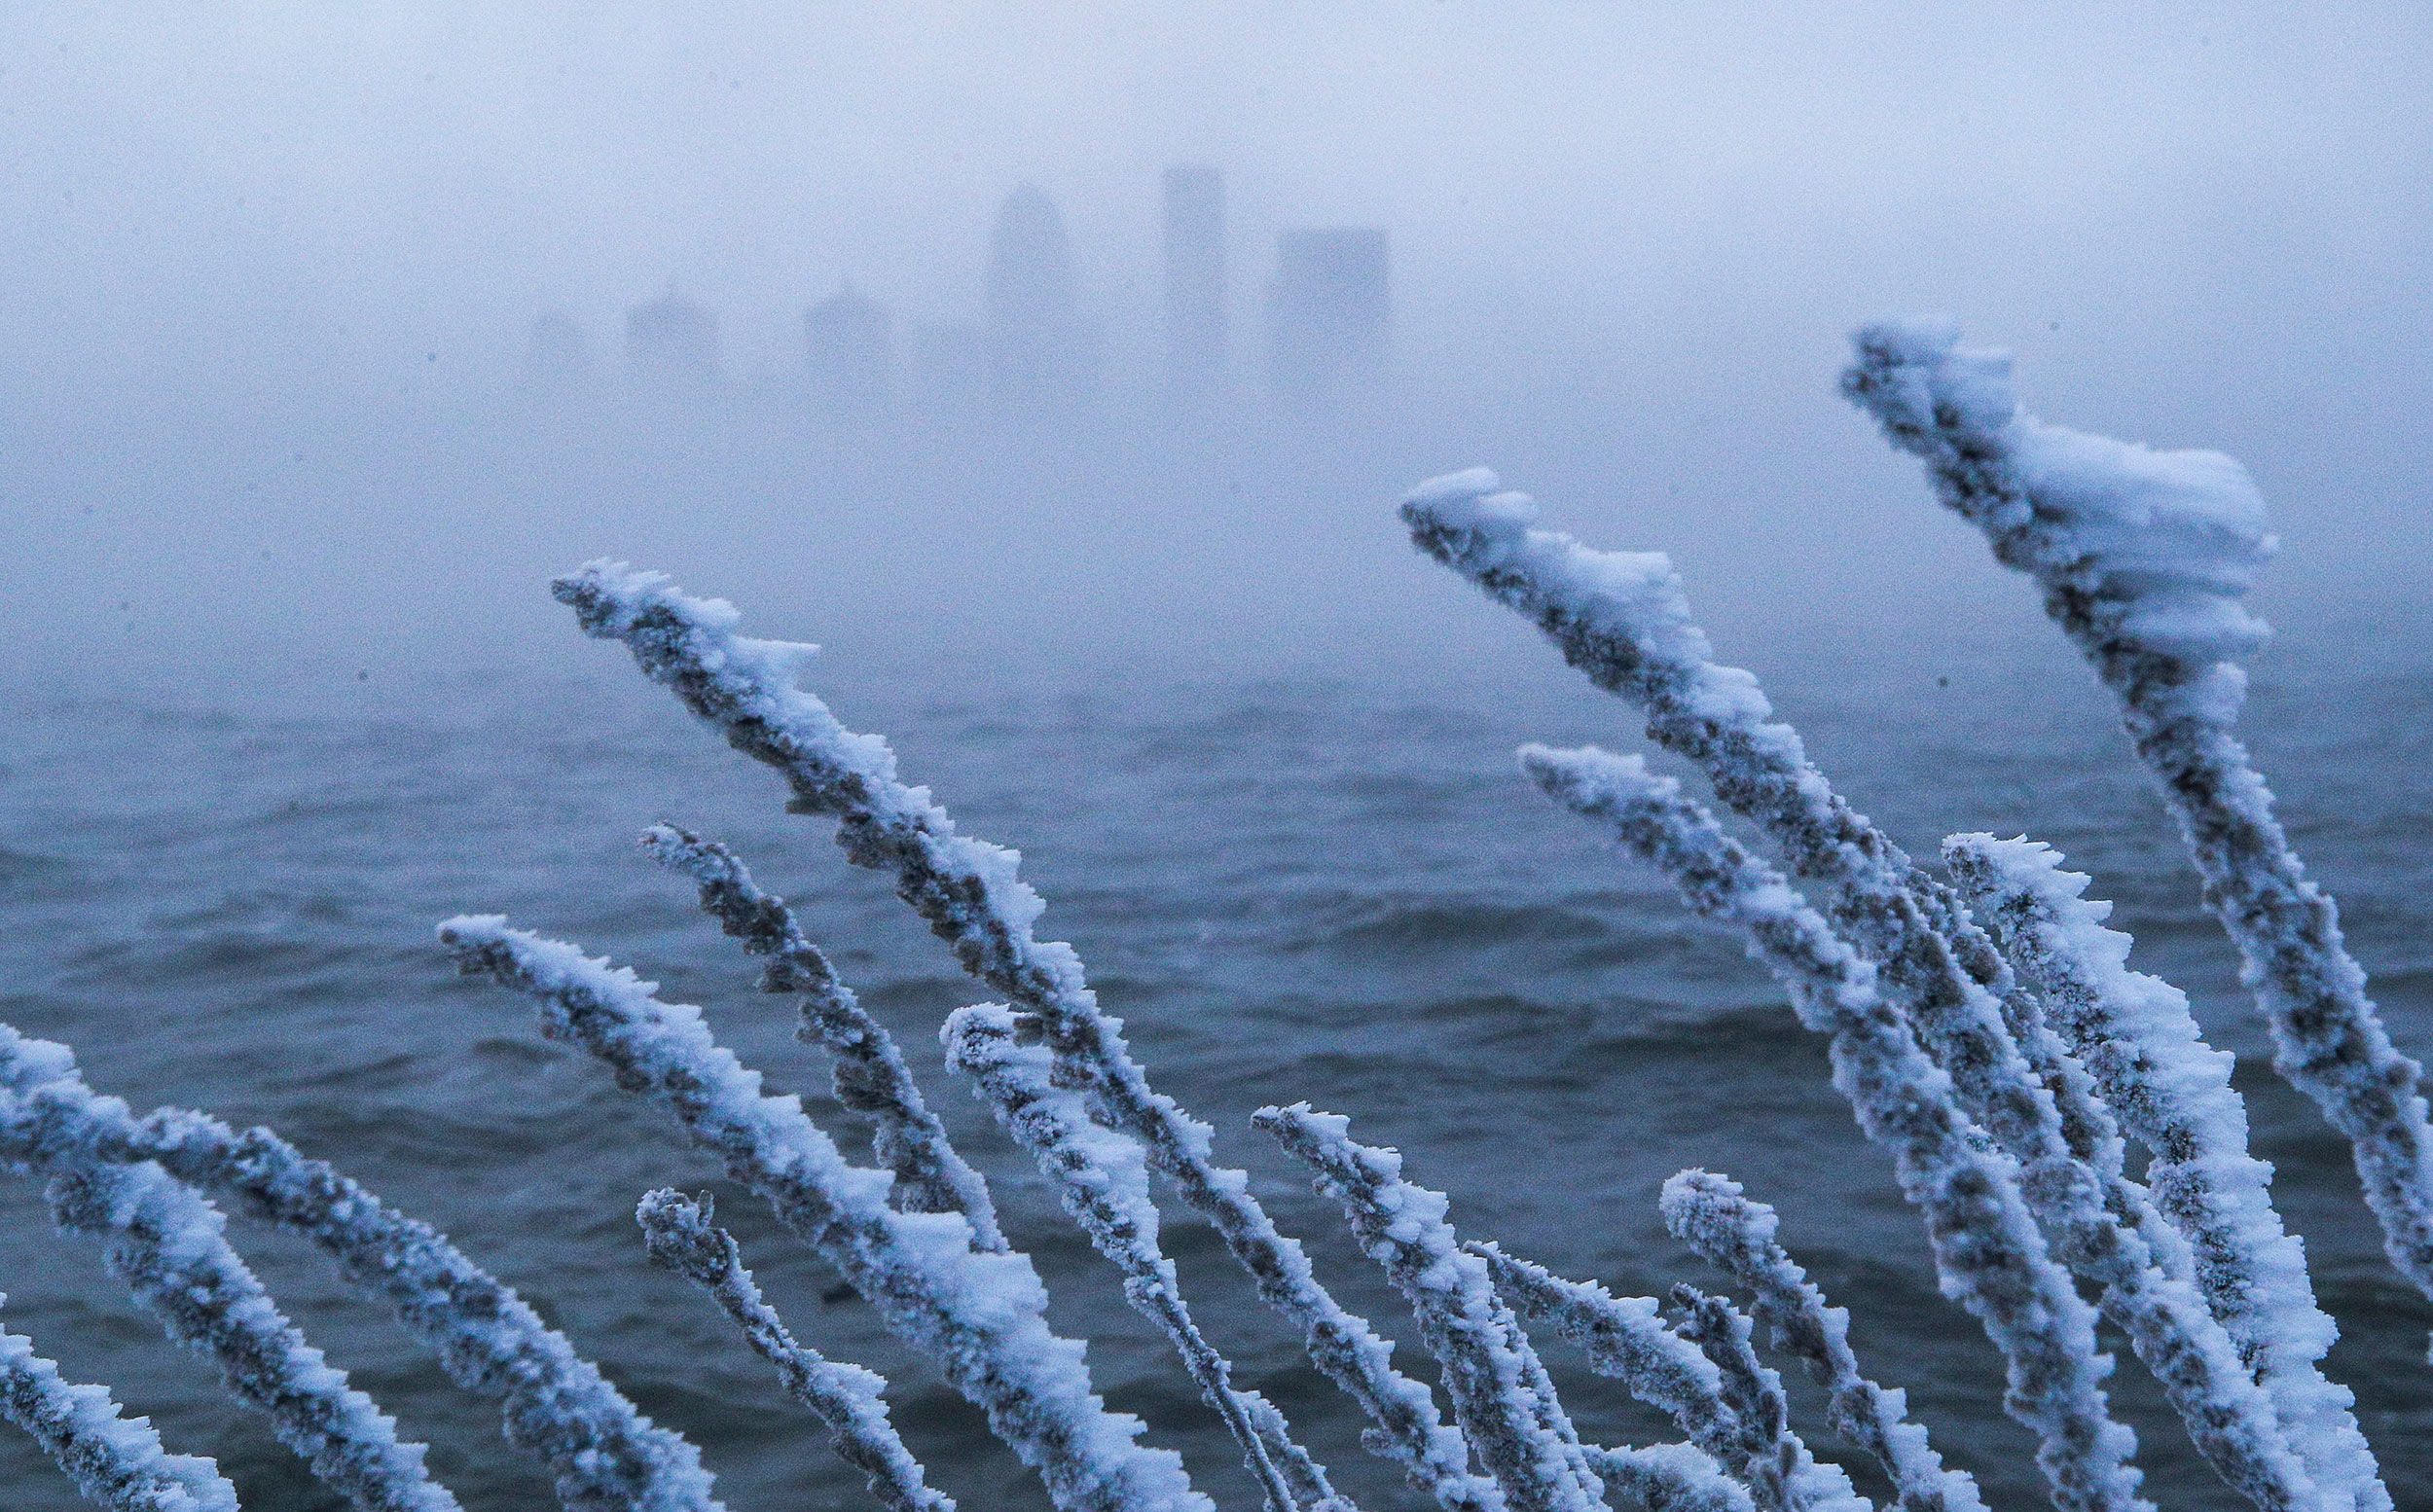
2138, 1036
1669, 1478
1711, 1216
117, 1462
170, 1247
1626, 1338
1773, 1460
1623, 620
1988, 1252
847, 1398
972, 896
2142, 558
981, 1316
605, 1456
167, 1245
870, 1074
1499, 1389
1103, 1182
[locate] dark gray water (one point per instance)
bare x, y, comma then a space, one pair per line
1323, 888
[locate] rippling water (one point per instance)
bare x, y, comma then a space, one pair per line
1323, 889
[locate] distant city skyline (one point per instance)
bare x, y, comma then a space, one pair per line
1037, 340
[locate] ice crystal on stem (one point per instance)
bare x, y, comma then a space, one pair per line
845, 1398
116, 1461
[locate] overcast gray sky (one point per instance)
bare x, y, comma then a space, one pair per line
1627, 242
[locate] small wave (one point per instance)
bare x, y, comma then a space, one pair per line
1457, 924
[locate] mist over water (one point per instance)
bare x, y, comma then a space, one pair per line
271, 278
314, 368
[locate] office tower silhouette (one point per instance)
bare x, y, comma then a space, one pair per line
1194, 205
1038, 351
1329, 311
671, 339
849, 341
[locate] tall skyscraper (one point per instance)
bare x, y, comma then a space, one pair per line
1196, 279
849, 341
1329, 311
1038, 350
671, 339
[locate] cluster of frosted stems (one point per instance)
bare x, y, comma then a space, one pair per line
1983, 1025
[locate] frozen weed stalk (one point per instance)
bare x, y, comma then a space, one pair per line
1984, 1023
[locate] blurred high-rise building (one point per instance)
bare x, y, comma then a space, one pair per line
1196, 279
1038, 350
671, 339
849, 341
1330, 311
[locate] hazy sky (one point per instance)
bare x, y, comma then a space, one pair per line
1628, 238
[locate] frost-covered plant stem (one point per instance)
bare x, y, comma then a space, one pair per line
1626, 1338
116, 1461
972, 896
847, 1399
1625, 621
1500, 1392
1103, 1182
1622, 619
166, 1245
2141, 557
1772, 1459
2138, 1036
981, 1316
170, 1247
1669, 1478
1988, 1252
605, 1456
1734, 1233
870, 1075
1769, 1455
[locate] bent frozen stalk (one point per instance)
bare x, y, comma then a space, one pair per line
166, 1244
1669, 1478
1988, 1252
1103, 1182
1714, 1217
1762, 1450
2140, 1038
847, 1399
870, 1076
1623, 620
1499, 1394
1626, 1338
2142, 558
972, 896
604, 1455
114, 1461
981, 1316
170, 1247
